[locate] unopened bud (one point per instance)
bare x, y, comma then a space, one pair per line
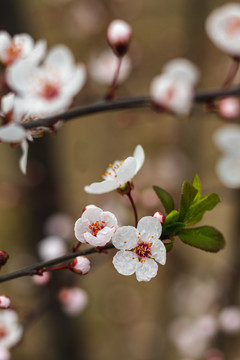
80, 265
41, 279
3, 257
229, 108
159, 216
4, 301
118, 36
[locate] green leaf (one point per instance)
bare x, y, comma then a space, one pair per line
204, 237
171, 218
173, 229
195, 212
165, 198
187, 198
196, 183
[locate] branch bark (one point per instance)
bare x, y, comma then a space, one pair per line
124, 104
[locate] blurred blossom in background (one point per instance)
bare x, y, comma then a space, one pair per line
190, 311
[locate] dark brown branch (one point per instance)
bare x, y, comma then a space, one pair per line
124, 104
33, 269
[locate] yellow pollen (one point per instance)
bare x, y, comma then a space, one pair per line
133, 257
125, 242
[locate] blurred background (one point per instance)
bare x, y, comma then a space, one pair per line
123, 318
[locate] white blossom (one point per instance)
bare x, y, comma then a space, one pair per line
223, 28
140, 249
227, 139
50, 87
51, 247
95, 227
11, 330
20, 47
102, 68
229, 319
118, 173
173, 89
73, 300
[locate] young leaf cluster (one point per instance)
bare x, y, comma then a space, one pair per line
193, 205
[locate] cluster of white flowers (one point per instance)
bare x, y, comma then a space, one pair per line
141, 247
42, 85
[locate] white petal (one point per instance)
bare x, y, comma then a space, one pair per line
23, 158
125, 238
227, 138
12, 133
61, 57
102, 238
228, 170
158, 251
126, 171
109, 218
5, 40
125, 262
101, 187
7, 102
146, 270
149, 226
77, 80
183, 69
38, 52
92, 214
19, 75
139, 156
79, 230
25, 41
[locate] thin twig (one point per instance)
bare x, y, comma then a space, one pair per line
232, 73
34, 269
124, 104
134, 207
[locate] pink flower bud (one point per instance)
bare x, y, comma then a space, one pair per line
41, 279
73, 300
159, 216
3, 257
4, 354
118, 36
4, 301
80, 265
229, 108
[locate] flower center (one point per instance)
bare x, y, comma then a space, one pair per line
3, 332
112, 170
49, 91
233, 26
13, 52
96, 227
143, 250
